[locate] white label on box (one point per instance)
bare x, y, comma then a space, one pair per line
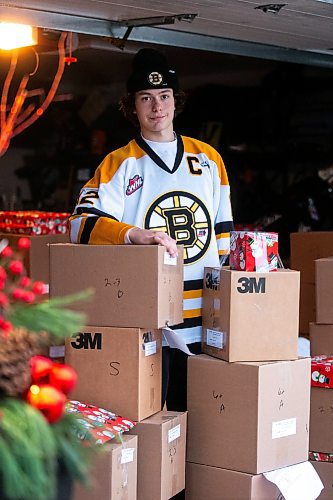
57, 351
150, 348
217, 304
174, 433
127, 455
283, 428
168, 260
215, 338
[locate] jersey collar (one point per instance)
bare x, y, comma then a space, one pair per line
151, 153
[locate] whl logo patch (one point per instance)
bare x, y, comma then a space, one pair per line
134, 184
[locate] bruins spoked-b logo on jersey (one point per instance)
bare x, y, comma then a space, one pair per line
185, 218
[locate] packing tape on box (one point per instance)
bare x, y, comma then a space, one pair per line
126, 457
174, 483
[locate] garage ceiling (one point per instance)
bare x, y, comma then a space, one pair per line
297, 31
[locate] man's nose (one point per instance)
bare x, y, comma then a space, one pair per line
157, 104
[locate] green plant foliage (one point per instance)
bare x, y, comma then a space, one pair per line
74, 454
28, 452
50, 317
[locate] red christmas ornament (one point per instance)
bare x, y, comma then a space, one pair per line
23, 243
16, 267
63, 377
48, 400
40, 369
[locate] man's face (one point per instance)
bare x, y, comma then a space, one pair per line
155, 109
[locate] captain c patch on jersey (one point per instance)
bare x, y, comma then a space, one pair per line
134, 184
185, 218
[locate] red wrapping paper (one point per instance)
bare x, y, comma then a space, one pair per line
253, 251
322, 371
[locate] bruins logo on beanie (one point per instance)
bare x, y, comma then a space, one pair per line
151, 71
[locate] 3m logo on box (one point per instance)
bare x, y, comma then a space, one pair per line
87, 341
252, 285
212, 280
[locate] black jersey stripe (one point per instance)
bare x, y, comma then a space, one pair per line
151, 153
193, 285
94, 211
88, 227
188, 323
224, 227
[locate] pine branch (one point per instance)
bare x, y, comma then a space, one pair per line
50, 317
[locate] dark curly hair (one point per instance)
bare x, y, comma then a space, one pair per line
127, 105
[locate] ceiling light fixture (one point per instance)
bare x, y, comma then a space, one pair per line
152, 21
14, 36
271, 8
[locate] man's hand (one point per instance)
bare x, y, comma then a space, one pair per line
148, 237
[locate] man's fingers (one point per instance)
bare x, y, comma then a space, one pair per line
140, 236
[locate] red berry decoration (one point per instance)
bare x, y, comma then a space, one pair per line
25, 281
40, 369
5, 325
63, 377
28, 297
38, 287
18, 293
3, 274
16, 267
23, 243
7, 252
49, 400
3, 300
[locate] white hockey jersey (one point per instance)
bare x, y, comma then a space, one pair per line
191, 202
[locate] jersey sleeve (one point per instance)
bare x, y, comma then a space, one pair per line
223, 222
97, 216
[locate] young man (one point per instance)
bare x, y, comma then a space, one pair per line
161, 189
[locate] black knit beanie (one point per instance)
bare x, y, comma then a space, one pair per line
151, 71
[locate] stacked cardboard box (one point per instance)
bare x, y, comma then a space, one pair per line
114, 475
305, 249
321, 344
249, 394
138, 290
37, 258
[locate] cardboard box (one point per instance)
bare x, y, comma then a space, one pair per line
321, 339
118, 369
307, 306
114, 473
250, 316
325, 472
135, 285
306, 248
321, 420
249, 417
213, 483
37, 258
324, 290
161, 455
